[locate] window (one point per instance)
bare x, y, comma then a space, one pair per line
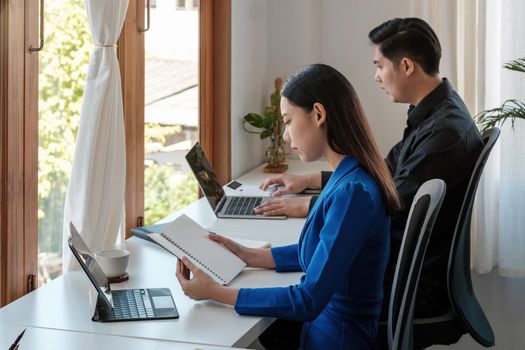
214, 96
171, 109
19, 96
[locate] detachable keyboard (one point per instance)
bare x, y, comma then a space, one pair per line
132, 304
242, 205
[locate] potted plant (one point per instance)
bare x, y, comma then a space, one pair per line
271, 125
510, 109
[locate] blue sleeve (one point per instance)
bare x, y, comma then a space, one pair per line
347, 223
286, 258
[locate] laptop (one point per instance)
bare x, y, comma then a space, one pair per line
223, 205
122, 304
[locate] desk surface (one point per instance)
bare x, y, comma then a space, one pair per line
53, 339
67, 303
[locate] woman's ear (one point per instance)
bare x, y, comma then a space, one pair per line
319, 113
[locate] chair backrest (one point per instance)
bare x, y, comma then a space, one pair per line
423, 212
459, 283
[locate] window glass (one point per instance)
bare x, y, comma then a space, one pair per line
171, 108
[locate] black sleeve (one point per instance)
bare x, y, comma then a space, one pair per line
325, 176
312, 202
438, 154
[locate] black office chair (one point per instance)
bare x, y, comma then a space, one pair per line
421, 218
466, 311
461, 293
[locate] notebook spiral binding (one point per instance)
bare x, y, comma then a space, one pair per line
191, 256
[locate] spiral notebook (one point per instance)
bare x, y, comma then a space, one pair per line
144, 232
184, 237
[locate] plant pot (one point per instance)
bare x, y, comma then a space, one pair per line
275, 158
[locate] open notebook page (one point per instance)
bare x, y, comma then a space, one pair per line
184, 237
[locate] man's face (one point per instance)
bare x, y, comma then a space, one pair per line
390, 78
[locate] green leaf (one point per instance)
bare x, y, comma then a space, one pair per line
510, 109
275, 98
268, 111
269, 122
516, 65
254, 120
265, 134
248, 130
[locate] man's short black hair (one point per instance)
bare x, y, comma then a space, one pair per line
408, 37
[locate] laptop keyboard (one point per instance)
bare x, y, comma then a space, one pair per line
242, 205
132, 304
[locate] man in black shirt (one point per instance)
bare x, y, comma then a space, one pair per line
439, 141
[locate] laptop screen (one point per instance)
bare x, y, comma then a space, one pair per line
205, 175
89, 265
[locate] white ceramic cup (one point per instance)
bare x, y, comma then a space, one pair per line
113, 261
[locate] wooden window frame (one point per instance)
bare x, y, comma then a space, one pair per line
19, 124
214, 96
131, 60
215, 84
18, 149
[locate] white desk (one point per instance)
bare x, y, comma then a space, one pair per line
64, 303
53, 339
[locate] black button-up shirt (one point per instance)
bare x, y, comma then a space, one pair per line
440, 141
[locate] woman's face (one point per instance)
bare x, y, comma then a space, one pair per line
305, 131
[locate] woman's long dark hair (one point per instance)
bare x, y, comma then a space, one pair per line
348, 131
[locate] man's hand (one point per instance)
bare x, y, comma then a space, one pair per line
296, 207
290, 184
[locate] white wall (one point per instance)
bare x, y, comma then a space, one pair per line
269, 39
276, 37
345, 45
294, 35
250, 83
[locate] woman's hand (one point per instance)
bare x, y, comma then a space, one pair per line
241, 251
253, 257
200, 286
296, 207
290, 184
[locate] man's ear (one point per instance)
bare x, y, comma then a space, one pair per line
320, 114
407, 66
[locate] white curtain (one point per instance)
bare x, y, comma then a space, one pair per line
95, 196
477, 38
499, 237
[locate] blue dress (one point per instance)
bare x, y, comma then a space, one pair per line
343, 250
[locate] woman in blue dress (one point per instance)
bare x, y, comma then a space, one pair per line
344, 245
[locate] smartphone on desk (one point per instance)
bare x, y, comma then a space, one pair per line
238, 189
234, 185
